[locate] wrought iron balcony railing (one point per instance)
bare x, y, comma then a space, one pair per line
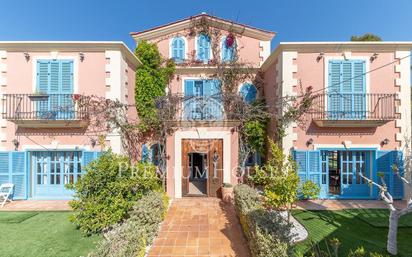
345, 109
208, 110
47, 108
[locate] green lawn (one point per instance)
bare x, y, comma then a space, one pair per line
42, 234
354, 228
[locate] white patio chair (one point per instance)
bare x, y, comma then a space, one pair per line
6, 191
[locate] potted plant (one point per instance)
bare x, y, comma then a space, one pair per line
227, 192
39, 96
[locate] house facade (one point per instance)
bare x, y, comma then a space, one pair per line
203, 151
44, 141
358, 123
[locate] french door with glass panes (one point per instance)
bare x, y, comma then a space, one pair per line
352, 164
52, 171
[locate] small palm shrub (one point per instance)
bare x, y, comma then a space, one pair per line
108, 191
309, 190
130, 238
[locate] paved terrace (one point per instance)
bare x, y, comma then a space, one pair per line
200, 227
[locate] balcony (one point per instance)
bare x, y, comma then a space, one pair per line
201, 111
353, 110
44, 110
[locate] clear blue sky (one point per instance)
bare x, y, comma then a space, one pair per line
293, 20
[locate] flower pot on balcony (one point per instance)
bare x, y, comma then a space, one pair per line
38, 98
227, 192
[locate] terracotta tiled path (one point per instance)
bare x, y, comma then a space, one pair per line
200, 227
34, 205
345, 204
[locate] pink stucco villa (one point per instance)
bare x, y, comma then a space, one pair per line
359, 121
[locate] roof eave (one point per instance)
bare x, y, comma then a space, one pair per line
64, 46
336, 47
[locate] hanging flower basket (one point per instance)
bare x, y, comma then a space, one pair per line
76, 97
230, 40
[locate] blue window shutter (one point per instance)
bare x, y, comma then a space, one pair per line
397, 189
385, 161
145, 153
178, 49
302, 162
54, 77
248, 92
359, 89
66, 77
18, 174
383, 166
314, 167
225, 54
88, 157
334, 106
203, 47
228, 53
43, 76
4, 168
189, 87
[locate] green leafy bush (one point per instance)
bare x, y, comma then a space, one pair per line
130, 238
109, 189
267, 232
309, 190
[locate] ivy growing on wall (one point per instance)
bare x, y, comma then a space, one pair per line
152, 78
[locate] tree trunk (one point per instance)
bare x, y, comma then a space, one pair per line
392, 245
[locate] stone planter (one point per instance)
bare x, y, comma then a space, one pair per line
227, 193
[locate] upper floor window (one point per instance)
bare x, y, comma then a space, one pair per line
248, 92
55, 76
178, 49
202, 100
228, 49
346, 92
203, 47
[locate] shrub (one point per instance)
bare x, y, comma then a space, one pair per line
131, 238
109, 190
309, 190
267, 232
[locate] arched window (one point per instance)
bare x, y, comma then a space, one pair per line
228, 51
203, 48
178, 49
248, 92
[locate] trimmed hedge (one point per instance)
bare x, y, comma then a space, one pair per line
267, 232
130, 238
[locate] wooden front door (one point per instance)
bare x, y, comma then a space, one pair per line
213, 148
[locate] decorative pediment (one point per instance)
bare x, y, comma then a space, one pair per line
213, 21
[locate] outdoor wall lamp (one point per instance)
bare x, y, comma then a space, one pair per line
309, 142
385, 142
93, 142
320, 56
27, 56
16, 144
81, 56
374, 57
